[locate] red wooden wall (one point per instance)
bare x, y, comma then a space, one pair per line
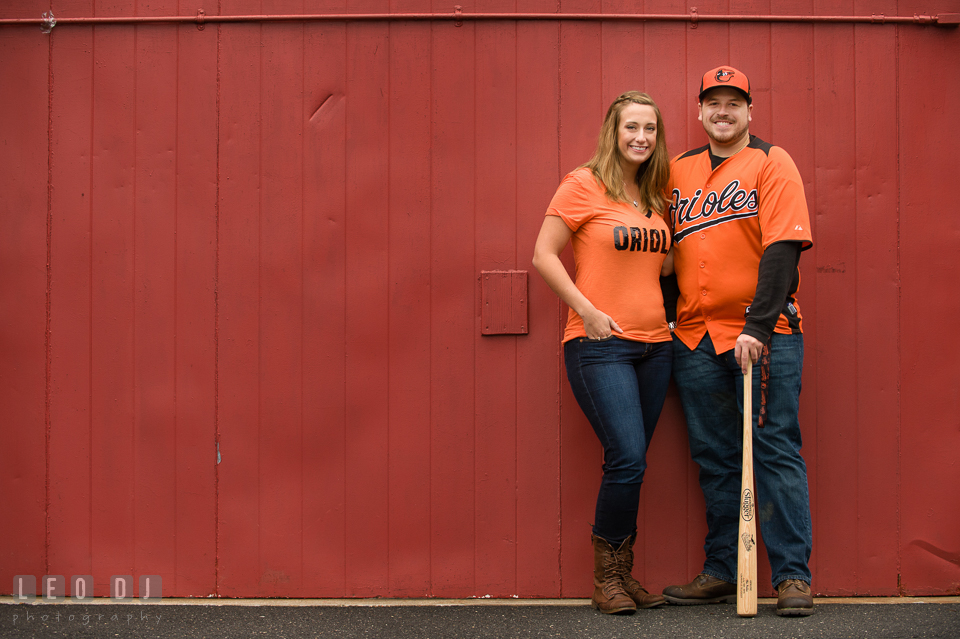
240, 341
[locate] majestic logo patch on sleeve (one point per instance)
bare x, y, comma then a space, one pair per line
704, 210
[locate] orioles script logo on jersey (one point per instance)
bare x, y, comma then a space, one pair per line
704, 210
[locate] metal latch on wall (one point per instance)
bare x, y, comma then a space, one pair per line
49, 22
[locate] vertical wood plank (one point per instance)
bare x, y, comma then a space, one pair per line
878, 308
281, 310
71, 471
707, 47
367, 303
453, 309
837, 261
624, 47
409, 264
23, 301
750, 51
155, 298
539, 366
930, 475
324, 282
495, 187
196, 312
113, 297
238, 473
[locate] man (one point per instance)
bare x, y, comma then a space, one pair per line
740, 222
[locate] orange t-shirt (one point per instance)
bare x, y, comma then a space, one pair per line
618, 253
723, 220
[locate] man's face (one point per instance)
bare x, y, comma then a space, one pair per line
726, 116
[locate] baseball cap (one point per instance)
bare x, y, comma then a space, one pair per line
725, 77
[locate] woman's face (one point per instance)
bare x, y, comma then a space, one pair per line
637, 134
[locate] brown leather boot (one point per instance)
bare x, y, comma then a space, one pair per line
704, 589
638, 593
794, 599
609, 597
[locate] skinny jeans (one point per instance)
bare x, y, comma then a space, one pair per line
620, 385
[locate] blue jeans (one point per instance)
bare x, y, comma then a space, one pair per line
711, 391
620, 386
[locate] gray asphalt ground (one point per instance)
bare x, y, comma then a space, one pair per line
854, 619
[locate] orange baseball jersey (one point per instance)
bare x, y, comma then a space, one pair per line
618, 253
723, 219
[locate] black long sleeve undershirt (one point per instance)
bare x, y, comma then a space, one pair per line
777, 277
671, 293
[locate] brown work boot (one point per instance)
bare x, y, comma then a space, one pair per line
638, 593
704, 589
609, 597
794, 599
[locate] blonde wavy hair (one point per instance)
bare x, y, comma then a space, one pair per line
605, 164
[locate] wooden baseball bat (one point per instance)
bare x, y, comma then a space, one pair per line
747, 539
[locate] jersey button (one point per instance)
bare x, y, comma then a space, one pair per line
703, 293
702, 265
703, 236
709, 319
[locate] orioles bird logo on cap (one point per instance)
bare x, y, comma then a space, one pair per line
723, 75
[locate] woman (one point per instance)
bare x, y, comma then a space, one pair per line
617, 343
